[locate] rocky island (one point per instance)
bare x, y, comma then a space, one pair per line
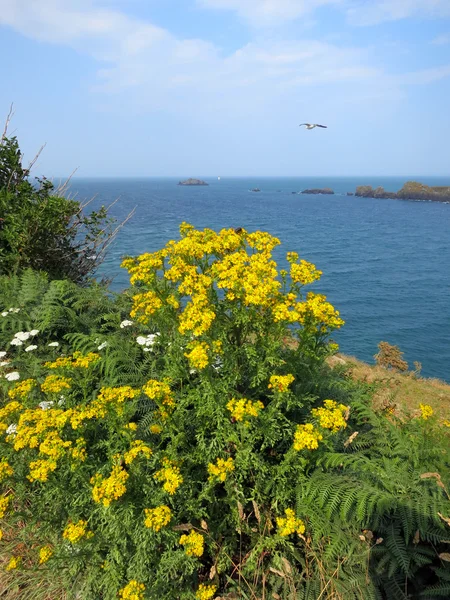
319, 191
412, 190
191, 181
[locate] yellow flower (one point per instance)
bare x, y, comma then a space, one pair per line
155, 429
220, 469
332, 416
426, 411
290, 524
131, 426
14, 563
77, 361
446, 423
194, 543
205, 592
198, 355
111, 488
137, 447
132, 591
54, 384
170, 475
4, 501
280, 383
156, 518
159, 391
40, 470
44, 554
5, 470
79, 452
243, 408
22, 389
75, 531
307, 437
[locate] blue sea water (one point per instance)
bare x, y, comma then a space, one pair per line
385, 263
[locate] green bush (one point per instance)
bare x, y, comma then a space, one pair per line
43, 230
202, 448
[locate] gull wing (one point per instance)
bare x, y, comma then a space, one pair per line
324, 126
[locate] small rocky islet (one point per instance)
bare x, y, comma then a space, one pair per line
191, 182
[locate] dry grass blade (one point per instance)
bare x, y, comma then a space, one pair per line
257, 513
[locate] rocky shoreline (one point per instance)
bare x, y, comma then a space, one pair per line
412, 190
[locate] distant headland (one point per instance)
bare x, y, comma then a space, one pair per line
318, 191
192, 181
412, 190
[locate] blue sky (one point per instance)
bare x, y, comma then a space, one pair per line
209, 87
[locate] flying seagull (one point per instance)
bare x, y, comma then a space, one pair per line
312, 125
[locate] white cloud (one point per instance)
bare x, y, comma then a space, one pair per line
441, 40
266, 12
372, 12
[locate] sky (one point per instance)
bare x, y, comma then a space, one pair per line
219, 87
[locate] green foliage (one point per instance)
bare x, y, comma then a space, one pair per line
291, 484
43, 230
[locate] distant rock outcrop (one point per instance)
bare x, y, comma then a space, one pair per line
255, 190
191, 181
412, 190
350, 194
319, 191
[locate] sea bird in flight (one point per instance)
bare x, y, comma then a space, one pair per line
312, 125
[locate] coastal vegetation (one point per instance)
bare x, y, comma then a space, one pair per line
195, 437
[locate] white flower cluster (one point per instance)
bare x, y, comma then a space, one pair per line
22, 336
53, 344
5, 313
102, 345
147, 341
126, 324
14, 376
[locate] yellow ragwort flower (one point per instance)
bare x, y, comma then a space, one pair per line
111, 488
156, 518
21, 389
74, 532
194, 543
221, 469
205, 592
14, 563
170, 475
77, 361
44, 554
331, 416
132, 591
198, 355
242, 409
137, 447
41, 469
4, 501
426, 411
290, 524
155, 429
54, 384
306, 436
280, 383
5, 470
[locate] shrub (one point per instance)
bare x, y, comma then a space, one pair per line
390, 357
193, 453
42, 229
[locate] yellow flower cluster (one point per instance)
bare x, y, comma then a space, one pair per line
79, 452
170, 475
156, 518
77, 361
41, 469
132, 591
22, 389
205, 592
198, 355
5, 470
111, 488
290, 524
159, 391
113, 398
221, 469
194, 543
426, 411
307, 437
4, 502
320, 310
74, 532
331, 416
137, 447
54, 384
5, 412
243, 408
280, 383
14, 563
155, 429
45, 553
145, 305
302, 272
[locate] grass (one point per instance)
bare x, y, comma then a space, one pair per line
401, 391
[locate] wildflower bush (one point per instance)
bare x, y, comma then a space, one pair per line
201, 448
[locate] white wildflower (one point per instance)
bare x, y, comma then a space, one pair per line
14, 376
62, 400
147, 349
192, 371
16, 342
54, 344
14, 310
22, 335
30, 348
45, 404
126, 324
4, 363
12, 429
5, 314
34, 332
141, 340
2, 353
102, 345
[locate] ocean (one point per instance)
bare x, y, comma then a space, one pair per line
385, 263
